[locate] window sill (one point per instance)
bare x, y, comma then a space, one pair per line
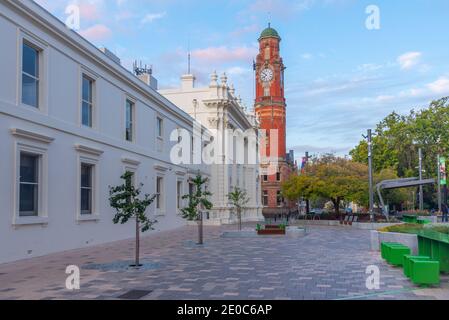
160, 214
27, 221
88, 218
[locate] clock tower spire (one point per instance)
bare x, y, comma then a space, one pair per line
270, 107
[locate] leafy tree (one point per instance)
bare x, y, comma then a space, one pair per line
238, 198
331, 178
125, 200
197, 201
397, 139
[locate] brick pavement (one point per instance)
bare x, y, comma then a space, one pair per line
328, 263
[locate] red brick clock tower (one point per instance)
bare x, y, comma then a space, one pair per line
270, 107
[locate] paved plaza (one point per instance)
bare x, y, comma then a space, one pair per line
327, 263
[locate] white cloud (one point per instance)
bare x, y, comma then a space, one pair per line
150, 17
440, 86
409, 60
306, 56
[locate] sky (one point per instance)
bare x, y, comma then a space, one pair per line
342, 78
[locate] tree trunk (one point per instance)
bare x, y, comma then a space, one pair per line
336, 203
137, 260
200, 229
239, 213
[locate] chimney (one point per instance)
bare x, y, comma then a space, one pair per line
149, 80
110, 55
187, 82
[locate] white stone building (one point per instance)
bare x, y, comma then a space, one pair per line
72, 120
218, 108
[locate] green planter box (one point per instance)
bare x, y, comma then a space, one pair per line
436, 246
395, 254
386, 247
425, 272
408, 263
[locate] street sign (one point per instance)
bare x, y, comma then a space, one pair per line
443, 176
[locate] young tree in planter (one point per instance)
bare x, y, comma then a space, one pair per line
125, 200
238, 199
199, 199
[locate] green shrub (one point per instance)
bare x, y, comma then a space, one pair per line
403, 228
416, 213
414, 228
441, 229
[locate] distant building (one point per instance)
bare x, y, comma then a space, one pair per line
219, 109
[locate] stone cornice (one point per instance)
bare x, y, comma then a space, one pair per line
130, 161
89, 150
31, 135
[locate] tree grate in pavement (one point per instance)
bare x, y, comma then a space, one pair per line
135, 294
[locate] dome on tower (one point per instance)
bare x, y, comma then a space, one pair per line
269, 33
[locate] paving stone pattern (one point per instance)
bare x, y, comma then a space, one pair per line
328, 263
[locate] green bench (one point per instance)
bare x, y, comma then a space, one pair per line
422, 270
394, 253
436, 246
408, 263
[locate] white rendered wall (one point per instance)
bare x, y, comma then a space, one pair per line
59, 120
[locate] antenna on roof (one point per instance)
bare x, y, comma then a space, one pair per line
189, 58
139, 69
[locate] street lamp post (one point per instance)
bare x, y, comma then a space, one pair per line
370, 174
421, 196
439, 183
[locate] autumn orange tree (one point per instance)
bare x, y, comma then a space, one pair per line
331, 178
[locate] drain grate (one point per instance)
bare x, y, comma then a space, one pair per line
135, 294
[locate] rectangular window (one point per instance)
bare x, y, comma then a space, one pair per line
265, 199
159, 186
278, 176
279, 199
160, 127
30, 75
86, 188
29, 185
87, 102
129, 120
179, 194
265, 177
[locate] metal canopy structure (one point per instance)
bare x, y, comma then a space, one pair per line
397, 184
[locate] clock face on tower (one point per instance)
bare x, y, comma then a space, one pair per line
266, 75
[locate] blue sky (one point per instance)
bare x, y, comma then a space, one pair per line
341, 78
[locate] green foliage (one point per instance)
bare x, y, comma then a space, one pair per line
397, 139
199, 198
415, 228
331, 178
416, 213
441, 229
258, 227
125, 200
238, 198
404, 228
